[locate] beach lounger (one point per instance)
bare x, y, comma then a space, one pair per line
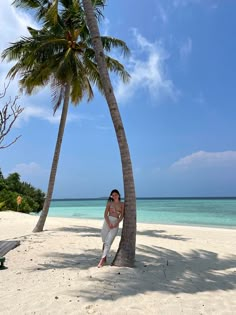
5, 247
2, 260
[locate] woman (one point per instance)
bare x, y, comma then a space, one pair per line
113, 215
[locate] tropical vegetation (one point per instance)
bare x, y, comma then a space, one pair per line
12, 189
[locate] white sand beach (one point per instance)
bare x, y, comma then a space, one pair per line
179, 270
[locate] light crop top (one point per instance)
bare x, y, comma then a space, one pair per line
115, 209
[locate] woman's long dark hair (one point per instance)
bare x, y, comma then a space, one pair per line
113, 191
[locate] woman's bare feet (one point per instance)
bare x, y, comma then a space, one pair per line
102, 262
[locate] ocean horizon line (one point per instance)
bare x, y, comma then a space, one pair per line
150, 198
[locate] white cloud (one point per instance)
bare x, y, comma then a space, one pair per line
13, 24
182, 3
30, 109
26, 170
41, 113
202, 159
47, 114
32, 173
146, 67
39, 106
186, 49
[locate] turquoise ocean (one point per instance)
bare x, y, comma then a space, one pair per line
210, 212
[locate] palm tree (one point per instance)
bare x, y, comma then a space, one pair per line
125, 255
59, 54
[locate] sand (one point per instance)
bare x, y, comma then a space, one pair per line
179, 270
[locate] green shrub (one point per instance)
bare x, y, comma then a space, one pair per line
12, 187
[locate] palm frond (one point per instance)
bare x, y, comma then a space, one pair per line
88, 89
80, 87
76, 90
33, 32
16, 50
51, 15
27, 4
112, 42
116, 67
92, 72
98, 8
39, 76
38, 7
67, 3
58, 94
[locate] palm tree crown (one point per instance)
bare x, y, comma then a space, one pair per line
61, 51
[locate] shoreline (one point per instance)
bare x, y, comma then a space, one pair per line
224, 227
178, 270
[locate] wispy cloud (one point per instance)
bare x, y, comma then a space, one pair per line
202, 159
213, 4
147, 70
178, 3
47, 115
16, 22
185, 49
40, 113
163, 14
26, 170
32, 173
13, 24
105, 26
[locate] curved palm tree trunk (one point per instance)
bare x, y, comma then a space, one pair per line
40, 224
125, 255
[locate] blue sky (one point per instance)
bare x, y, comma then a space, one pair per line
178, 109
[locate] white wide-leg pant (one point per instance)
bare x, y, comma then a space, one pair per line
108, 235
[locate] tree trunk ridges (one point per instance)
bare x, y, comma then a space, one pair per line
125, 255
40, 224
126, 252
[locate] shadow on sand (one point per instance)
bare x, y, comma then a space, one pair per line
157, 269
91, 232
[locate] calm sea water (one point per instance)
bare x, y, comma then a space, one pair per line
196, 212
